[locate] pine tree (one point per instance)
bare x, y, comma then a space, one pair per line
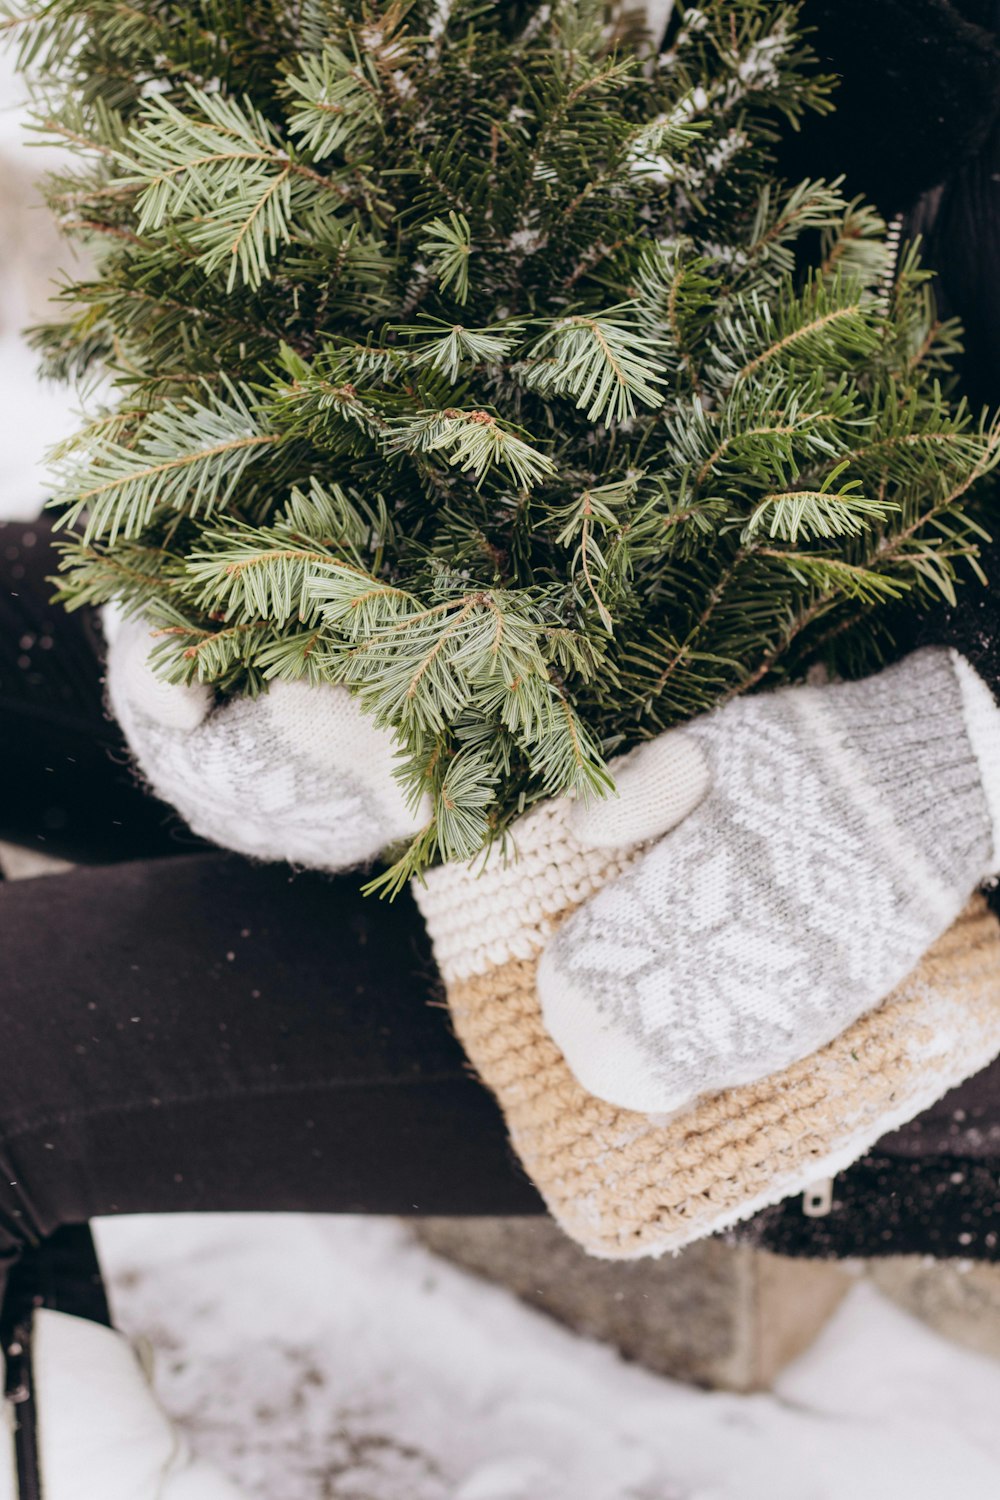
473, 355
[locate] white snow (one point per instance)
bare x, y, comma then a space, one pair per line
334, 1359
30, 409
34, 414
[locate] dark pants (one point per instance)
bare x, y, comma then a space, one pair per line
182, 1030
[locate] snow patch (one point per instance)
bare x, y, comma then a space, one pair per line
320, 1356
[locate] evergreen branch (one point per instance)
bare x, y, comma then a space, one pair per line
604, 362
474, 441
780, 429
189, 455
824, 321
73, 137
448, 347
114, 231
220, 173
336, 104
814, 514
448, 246
685, 650
488, 372
836, 577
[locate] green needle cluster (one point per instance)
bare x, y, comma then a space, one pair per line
474, 356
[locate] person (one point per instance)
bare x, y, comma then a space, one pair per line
186, 1030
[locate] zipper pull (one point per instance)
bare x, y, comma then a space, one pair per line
817, 1200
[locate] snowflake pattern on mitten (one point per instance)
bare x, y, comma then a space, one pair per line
300, 773
846, 827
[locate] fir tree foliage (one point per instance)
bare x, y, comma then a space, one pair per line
471, 355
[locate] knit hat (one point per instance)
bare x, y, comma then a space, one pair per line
625, 1184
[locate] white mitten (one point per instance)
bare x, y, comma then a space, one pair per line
845, 829
299, 773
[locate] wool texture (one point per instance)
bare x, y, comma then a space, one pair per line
846, 827
656, 786
299, 773
626, 1184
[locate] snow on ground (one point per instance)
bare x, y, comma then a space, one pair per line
336, 1358
34, 414
321, 1359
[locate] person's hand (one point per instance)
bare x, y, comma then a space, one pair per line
845, 828
299, 773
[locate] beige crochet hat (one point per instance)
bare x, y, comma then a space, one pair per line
623, 1184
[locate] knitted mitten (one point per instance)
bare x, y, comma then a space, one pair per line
846, 828
299, 774
625, 1184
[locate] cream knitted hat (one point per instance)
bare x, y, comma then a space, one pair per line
625, 1184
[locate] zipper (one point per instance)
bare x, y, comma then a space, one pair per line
893, 245
19, 1392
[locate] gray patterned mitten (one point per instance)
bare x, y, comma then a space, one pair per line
298, 774
846, 827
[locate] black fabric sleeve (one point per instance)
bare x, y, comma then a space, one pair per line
972, 626
917, 129
918, 93
77, 796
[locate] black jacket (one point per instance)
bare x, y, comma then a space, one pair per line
917, 131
